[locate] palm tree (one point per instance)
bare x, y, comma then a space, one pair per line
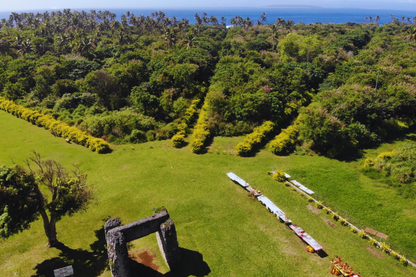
223, 21
25, 46
247, 23
262, 19
170, 36
205, 18
183, 24
198, 19
289, 24
237, 21
411, 34
280, 22
274, 35
124, 21
214, 20
189, 40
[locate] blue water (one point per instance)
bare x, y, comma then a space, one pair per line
304, 15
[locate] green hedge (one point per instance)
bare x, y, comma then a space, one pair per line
251, 141
201, 131
178, 140
284, 142
191, 112
56, 127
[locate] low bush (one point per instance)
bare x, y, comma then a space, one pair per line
372, 241
353, 229
384, 247
403, 260
362, 234
279, 176
118, 124
394, 254
385, 155
335, 215
343, 221
178, 140
319, 204
397, 168
369, 162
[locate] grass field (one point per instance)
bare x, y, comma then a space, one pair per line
221, 231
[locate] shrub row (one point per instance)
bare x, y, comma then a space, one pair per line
191, 112
178, 140
284, 143
201, 131
56, 127
251, 141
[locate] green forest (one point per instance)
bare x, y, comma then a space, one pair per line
334, 89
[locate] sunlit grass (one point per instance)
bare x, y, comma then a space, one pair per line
233, 232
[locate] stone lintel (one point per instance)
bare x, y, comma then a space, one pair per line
142, 227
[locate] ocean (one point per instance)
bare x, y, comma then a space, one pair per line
304, 15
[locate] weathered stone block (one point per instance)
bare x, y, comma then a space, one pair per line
117, 237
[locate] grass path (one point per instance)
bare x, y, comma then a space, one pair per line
222, 230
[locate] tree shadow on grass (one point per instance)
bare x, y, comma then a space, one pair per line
190, 264
85, 263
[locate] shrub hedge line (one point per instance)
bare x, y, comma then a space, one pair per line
284, 143
56, 127
251, 141
178, 140
191, 112
201, 131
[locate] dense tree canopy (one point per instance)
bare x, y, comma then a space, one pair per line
132, 79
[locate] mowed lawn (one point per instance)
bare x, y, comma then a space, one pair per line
221, 230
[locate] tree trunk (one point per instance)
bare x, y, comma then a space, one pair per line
52, 232
48, 226
50, 229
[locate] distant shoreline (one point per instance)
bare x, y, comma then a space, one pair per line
294, 6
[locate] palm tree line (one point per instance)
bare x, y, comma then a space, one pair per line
79, 31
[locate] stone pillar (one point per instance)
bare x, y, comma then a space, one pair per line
168, 243
111, 224
116, 249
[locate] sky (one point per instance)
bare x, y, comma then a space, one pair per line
25, 5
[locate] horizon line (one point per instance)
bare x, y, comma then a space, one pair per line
207, 8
